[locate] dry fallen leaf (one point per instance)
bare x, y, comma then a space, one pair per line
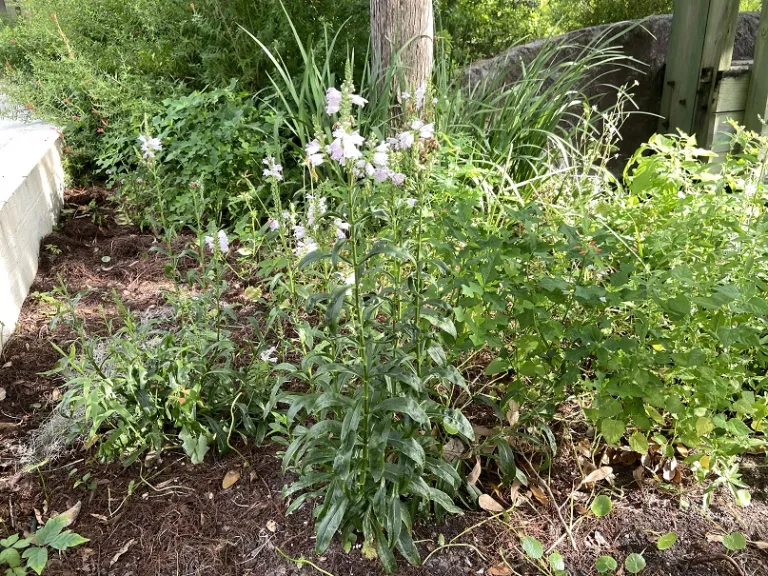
499, 570
489, 504
714, 537
271, 525
453, 449
761, 545
602, 473
670, 469
628, 457
600, 540
514, 491
72, 513
100, 517
637, 474
584, 448
2, 394
513, 413
122, 551
230, 478
474, 476
539, 494
484, 431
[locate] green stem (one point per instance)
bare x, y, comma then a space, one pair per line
419, 235
360, 317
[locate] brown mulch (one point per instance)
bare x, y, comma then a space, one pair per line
167, 517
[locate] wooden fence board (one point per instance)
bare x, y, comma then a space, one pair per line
757, 98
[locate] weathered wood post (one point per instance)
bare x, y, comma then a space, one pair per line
757, 96
395, 23
3, 9
700, 47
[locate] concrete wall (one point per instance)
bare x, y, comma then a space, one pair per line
647, 42
31, 195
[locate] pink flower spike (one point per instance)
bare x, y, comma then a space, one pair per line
333, 101
427, 131
398, 178
405, 140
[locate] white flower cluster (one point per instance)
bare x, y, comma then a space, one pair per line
334, 99
273, 169
347, 145
268, 355
315, 156
316, 209
362, 158
149, 146
223, 242
421, 94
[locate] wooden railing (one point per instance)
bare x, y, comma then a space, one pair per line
703, 86
10, 7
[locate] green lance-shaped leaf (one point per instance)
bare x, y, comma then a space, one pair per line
330, 523
402, 405
335, 305
313, 257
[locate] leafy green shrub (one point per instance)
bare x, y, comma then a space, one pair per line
97, 68
175, 378
485, 28
209, 140
650, 300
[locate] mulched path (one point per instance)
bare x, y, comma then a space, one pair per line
167, 517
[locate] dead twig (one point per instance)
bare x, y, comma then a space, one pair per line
714, 558
554, 503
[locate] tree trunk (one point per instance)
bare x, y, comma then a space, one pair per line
393, 24
2, 6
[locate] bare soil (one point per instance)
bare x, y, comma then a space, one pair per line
167, 517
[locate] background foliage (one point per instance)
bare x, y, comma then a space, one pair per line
100, 68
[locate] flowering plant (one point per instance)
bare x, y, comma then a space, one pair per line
373, 366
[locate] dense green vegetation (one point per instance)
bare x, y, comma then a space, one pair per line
412, 262
99, 68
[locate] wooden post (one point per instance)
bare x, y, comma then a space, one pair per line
681, 79
757, 96
700, 45
3, 9
395, 23
716, 59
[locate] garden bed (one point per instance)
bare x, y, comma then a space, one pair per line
164, 516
